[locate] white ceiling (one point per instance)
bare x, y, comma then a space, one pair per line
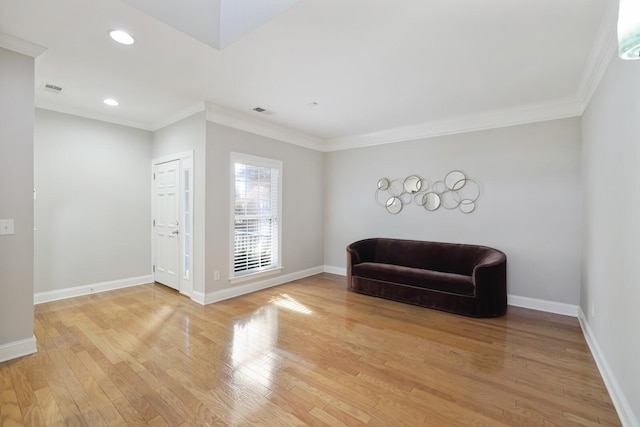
379, 70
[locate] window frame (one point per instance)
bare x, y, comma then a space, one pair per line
247, 159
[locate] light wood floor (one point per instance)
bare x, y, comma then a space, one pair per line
305, 353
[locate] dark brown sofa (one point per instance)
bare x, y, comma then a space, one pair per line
464, 279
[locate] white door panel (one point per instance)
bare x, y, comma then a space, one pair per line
166, 229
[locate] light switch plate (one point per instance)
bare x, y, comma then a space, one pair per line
6, 227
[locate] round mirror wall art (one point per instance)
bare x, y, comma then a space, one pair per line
394, 205
431, 201
412, 184
455, 191
455, 180
467, 206
383, 184
470, 191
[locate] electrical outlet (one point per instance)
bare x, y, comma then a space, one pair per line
6, 226
216, 275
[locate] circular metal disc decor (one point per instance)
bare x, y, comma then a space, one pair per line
470, 191
455, 191
455, 180
467, 206
431, 201
412, 184
394, 205
383, 184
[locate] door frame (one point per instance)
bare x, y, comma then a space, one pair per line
185, 277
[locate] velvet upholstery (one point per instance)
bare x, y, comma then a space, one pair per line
464, 279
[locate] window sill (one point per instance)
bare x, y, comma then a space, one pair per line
253, 276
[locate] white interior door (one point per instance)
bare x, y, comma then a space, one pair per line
166, 225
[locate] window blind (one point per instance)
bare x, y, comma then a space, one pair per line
256, 222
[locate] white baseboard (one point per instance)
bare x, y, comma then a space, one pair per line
543, 305
17, 349
236, 291
622, 405
335, 270
514, 300
76, 291
617, 396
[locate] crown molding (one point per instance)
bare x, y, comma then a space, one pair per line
560, 109
91, 115
179, 115
173, 118
602, 51
21, 46
242, 121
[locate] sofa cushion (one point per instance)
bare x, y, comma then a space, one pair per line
445, 257
428, 279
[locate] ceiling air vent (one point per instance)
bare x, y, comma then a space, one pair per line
263, 111
52, 88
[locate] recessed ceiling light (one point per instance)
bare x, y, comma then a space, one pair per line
111, 102
121, 37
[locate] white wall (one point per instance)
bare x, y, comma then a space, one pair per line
16, 198
529, 206
93, 203
302, 200
611, 267
185, 135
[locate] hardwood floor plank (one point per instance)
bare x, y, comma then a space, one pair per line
49, 407
10, 414
326, 418
305, 353
81, 399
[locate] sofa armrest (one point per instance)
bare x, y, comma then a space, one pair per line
362, 251
359, 252
352, 259
490, 281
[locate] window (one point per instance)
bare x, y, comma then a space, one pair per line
256, 214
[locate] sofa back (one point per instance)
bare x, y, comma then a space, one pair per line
444, 257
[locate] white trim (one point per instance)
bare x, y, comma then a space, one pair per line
615, 392
237, 291
105, 117
340, 271
603, 49
513, 300
79, 112
242, 121
172, 157
178, 115
199, 297
21, 46
255, 275
558, 109
17, 349
543, 305
76, 291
